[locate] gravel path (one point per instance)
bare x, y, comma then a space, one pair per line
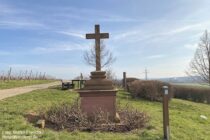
5, 93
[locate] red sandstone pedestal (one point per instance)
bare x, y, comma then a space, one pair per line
98, 100
98, 95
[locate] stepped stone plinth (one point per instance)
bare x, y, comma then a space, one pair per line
98, 81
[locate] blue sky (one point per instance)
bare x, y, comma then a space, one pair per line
48, 35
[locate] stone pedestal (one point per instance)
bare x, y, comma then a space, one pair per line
98, 100
98, 94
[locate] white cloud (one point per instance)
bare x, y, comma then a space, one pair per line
5, 9
147, 33
23, 66
125, 35
190, 27
115, 18
74, 34
56, 47
156, 56
20, 24
191, 46
90, 15
13, 17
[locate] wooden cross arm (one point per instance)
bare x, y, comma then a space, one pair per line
90, 36
94, 36
104, 35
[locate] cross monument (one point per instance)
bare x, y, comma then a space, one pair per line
98, 92
97, 36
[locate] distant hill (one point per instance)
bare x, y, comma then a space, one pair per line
185, 79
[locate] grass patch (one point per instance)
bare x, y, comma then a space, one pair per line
21, 83
192, 85
185, 119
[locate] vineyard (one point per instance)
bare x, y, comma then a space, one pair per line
12, 78
24, 75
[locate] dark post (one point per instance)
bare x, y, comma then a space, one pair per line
124, 81
166, 129
81, 81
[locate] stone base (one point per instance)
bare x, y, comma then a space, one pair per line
95, 100
98, 81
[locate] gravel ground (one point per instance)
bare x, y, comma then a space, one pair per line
5, 93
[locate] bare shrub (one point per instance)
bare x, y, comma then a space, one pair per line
149, 89
132, 118
65, 116
70, 117
131, 79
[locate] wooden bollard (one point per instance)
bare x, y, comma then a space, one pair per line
166, 129
124, 81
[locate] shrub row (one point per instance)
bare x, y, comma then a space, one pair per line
150, 89
131, 79
191, 93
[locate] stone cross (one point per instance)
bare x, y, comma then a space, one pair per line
97, 36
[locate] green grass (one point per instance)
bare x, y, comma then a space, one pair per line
193, 85
185, 122
20, 83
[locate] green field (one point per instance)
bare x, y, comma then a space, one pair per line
193, 85
185, 121
20, 83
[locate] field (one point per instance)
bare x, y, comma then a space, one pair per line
20, 83
185, 121
194, 85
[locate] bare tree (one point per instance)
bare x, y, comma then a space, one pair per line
9, 74
107, 57
110, 74
200, 64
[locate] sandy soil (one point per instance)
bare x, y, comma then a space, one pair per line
5, 93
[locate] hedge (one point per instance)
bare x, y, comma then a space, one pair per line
148, 89
192, 93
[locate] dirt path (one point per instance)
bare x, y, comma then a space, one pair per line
5, 93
